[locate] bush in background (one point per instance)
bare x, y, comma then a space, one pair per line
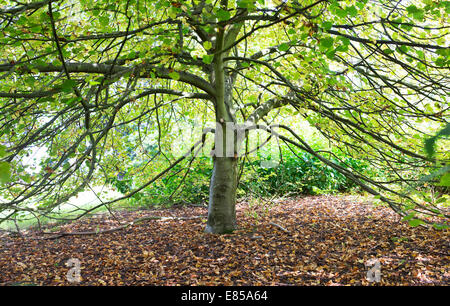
299, 173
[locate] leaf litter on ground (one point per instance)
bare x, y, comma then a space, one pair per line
314, 240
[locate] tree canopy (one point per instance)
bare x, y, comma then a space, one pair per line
77, 78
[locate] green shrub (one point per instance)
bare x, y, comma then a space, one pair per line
299, 173
302, 174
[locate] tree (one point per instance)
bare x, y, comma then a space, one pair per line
371, 76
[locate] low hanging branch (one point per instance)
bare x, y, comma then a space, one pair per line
280, 227
192, 150
115, 229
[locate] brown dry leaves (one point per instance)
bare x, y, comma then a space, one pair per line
330, 241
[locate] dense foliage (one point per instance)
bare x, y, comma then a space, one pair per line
298, 174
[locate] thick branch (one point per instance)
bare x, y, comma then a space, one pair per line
386, 42
265, 108
76, 67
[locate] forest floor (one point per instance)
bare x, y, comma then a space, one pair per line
315, 240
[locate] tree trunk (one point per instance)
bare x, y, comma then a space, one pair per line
223, 185
222, 196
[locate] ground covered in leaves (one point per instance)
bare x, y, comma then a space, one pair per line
320, 240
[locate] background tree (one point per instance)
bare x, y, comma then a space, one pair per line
76, 76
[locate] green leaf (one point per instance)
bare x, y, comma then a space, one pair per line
402, 49
352, 11
445, 180
440, 62
409, 216
104, 20
67, 85
361, 4
327, 25
223, 14
173, 11
2, 151
441, 200
207, 45
248, 4
326, 42
5, 172
283, 47
174, 75
429, 142
443, 52
26, 177
415, 12
330, 54
70, 101
429, 145
415, 222
406, 26
342, 48
345, 41
412, 9
341, 13
207, 59
23, 20
36, 29
440, 226
419, 16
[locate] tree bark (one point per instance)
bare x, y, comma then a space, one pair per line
223, 185
222, 196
